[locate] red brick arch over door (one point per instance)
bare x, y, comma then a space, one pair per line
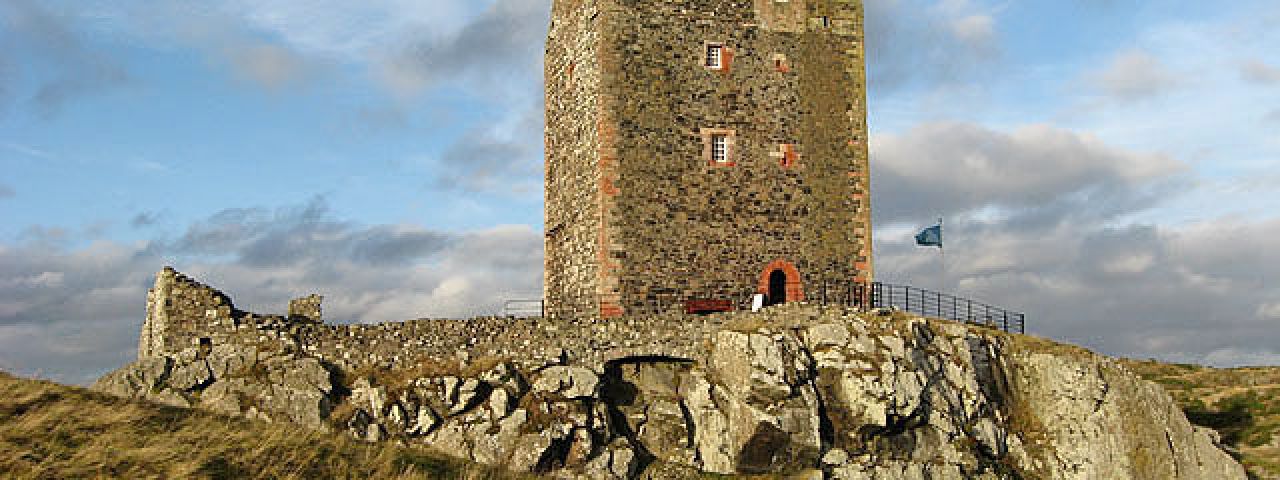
795, 289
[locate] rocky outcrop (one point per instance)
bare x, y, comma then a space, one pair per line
235, 380
792, 390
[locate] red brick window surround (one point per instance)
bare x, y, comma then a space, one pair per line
717, 57
786, 155
718, 147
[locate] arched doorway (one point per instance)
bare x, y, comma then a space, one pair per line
777, 288
780, 282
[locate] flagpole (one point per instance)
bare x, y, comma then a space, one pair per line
942, 258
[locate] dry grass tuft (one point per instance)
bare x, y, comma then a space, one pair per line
50, 431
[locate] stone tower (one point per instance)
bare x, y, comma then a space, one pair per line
701, 151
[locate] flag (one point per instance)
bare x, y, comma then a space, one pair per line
930, 237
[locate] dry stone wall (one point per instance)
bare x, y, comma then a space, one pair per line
306, 308
181, 312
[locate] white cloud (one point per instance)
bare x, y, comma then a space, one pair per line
353, 30
405, 44
1269, 310
1039, 219
1136, 291
1130, 264
1235, 357
963, 169
62, 66
1134, 75
502, 43
927, 43
504, 157
974, 29
72, 313
39, 280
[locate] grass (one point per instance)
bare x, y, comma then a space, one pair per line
1242, 404
50, 431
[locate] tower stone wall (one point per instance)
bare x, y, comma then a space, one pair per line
640, 216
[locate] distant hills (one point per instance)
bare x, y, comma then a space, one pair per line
1242, 404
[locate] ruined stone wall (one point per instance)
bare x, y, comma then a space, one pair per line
182, 311
179, 312
306, 308
674, 226
407, 344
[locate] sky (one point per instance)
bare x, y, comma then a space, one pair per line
1110, 168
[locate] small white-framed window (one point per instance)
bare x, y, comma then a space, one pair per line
715, 56
720, 148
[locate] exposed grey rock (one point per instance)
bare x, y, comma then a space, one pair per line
529, 449
231, 380
189, 375
368, 397
397, 417
228, 360
373, 433
308, 407
466, 395
835, 396
835, 457
227, 396
299, 373
569, 382
425, 421
499, 404
451, 389
506, 376
617, 461
138, 379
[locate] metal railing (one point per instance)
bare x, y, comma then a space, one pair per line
941, 305
523, 308
864, 296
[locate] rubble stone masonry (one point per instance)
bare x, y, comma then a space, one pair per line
183, 313
639, 217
